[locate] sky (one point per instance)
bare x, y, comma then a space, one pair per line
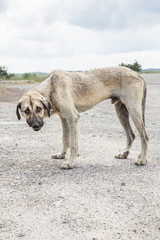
43, 35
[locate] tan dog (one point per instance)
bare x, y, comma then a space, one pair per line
68, 94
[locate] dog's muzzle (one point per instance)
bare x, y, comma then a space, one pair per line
36, 126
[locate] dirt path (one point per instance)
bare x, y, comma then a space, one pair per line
102, 198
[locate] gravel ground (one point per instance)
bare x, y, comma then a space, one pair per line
101, 198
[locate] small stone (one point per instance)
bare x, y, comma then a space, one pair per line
123, 184
21, 234
1, 226
39, 183
65, 221
130, 205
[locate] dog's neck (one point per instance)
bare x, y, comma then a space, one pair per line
46, 89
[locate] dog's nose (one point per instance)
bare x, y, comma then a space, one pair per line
36, 126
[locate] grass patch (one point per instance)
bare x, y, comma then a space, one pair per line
151, 72
28, 77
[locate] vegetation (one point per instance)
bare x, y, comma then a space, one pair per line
151, 70
3, 72
148, 72
135, 66
38, 77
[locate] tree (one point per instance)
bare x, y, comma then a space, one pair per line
3, 72
11, 76
135, 66
26, 75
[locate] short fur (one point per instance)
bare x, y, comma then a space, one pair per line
67, 94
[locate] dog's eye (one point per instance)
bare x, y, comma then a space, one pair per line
27, 111
38, 109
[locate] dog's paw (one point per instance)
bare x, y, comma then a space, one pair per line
67, 165
141, 161
58, 156
122, 156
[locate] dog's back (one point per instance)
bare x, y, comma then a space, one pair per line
89, 88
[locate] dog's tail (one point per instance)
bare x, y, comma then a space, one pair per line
144, 100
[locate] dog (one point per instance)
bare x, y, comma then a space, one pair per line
69, 93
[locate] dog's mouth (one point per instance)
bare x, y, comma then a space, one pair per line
36, 128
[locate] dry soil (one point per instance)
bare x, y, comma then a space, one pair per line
102, 198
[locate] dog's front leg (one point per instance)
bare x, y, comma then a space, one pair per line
65, 140
73, 124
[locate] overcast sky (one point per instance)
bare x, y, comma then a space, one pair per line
43, 35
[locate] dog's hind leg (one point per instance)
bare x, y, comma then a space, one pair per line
135, 109
123, 116
65, 140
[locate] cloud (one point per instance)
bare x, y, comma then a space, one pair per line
103, 15
61, 39
148, 59
3, 5
48, 31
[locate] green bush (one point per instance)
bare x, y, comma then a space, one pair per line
135, 66
11, 76
38, 77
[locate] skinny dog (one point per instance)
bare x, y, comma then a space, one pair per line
67, 94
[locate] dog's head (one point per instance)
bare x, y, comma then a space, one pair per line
34, 107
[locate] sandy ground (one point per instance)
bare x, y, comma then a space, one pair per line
101, 198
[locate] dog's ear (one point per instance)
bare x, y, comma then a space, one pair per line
47, 105
17, 110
